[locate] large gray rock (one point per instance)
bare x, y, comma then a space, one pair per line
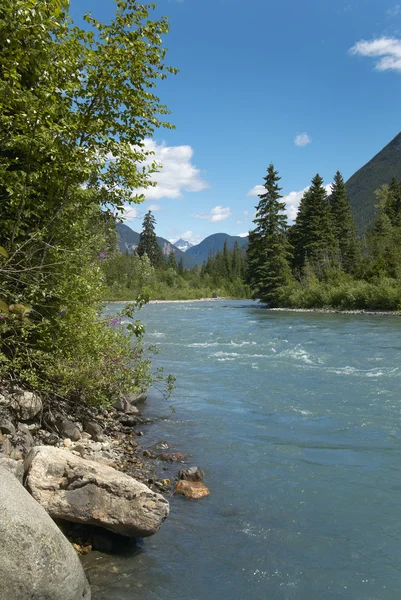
16, 467
26, 405
36, 560
83, 491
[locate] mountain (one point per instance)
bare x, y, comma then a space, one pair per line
362, 185
128, 239
213, 244
182, 245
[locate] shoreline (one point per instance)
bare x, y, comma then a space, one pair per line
337, 311
328, 311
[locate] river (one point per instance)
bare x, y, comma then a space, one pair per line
295, 419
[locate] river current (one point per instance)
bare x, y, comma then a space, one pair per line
295, 419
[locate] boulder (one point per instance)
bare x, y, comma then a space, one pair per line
94, 430
36, 561
191, 489
122, 405
26, 405
68, 429
136, 398
191, 474
84, 491
16, 467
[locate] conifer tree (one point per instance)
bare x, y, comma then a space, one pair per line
269, 249
237, 261
343, 224
227, 260
312, 235
171, 261
148, 243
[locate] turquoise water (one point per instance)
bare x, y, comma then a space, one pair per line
295, 419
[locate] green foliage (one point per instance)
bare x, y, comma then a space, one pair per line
269, 249
75, 107
148, 242
343, 225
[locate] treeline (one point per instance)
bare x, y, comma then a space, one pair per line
319, 261
163, 278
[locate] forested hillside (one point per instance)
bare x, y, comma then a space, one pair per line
320, 262
362, 185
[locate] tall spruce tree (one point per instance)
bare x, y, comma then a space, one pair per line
148, 243
343, 224
312, 235
269, 249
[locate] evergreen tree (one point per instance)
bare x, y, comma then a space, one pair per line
180, 267
171, 261
312, 235
227, 260
269, 249
148, 243
343, 224
236, 261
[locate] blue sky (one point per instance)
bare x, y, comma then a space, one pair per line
310, 85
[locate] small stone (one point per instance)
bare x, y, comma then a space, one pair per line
163, 445
191, 489
148, 454
172, 457
16, 454
67, 443
86, 436
191, 474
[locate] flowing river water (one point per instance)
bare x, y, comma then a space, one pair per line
295, 419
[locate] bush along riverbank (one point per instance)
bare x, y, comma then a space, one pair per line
86, 469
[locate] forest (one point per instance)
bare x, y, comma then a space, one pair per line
319, 261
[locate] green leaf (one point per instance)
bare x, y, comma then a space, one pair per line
3, 252
4, 307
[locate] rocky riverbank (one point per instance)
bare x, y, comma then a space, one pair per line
87, 470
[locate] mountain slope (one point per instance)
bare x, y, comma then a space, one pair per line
128, 239
362, 185
182, 245
213, 244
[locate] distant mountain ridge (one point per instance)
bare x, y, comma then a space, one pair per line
128, 240
362, 185
182, 245
213, 244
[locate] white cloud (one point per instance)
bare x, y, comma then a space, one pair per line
243, 234
394, 11
256, 191
291, 200
131, 212
177, 173
302, 139
154, 207
218, 213
386, 50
